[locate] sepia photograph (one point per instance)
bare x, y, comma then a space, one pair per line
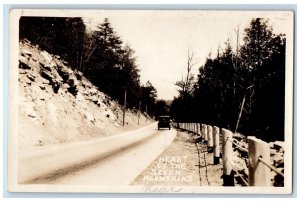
150, 101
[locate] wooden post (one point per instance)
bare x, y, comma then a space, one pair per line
240, 114
146, 113
139, 113
201, 129
216, 132
194, 127
124, 106
259, 174
210, 144
205, 133
228, 178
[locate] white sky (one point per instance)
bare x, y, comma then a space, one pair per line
162, 38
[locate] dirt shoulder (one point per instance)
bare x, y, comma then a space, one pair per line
183, 163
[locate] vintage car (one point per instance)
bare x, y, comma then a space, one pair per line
164, 122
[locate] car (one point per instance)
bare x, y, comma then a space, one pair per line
164, 122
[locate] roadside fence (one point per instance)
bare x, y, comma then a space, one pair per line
222, 143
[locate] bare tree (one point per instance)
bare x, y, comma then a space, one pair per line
235, 59
186, 84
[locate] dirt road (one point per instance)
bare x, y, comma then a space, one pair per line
115, 160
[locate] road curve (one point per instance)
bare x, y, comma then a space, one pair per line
115, 160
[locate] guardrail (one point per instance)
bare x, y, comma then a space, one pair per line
257, 154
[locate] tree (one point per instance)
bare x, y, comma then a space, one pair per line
180, 108
214, 89
148, 97
161, 108
129, 76
112, 67
255, 53
254, 75
268, 115
102, 60
186, 84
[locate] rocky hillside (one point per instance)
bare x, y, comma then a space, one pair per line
58, 105
240, 159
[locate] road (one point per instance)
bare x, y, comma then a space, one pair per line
115, 160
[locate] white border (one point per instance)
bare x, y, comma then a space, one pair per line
236, 4
13, 126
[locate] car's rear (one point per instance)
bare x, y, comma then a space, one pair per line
164, 122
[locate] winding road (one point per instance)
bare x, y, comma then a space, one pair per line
115, 160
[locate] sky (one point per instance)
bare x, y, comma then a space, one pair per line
161, 39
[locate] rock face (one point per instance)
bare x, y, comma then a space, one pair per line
58, 105
277, 156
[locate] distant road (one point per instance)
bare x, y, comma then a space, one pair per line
115, 160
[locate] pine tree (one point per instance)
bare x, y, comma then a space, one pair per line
103, 58
255, 53
111, 65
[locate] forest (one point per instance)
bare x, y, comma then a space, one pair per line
241, 89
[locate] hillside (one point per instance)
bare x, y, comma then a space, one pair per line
58, 105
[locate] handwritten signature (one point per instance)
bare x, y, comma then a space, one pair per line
161, 189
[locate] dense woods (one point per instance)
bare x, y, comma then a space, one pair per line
242, 90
